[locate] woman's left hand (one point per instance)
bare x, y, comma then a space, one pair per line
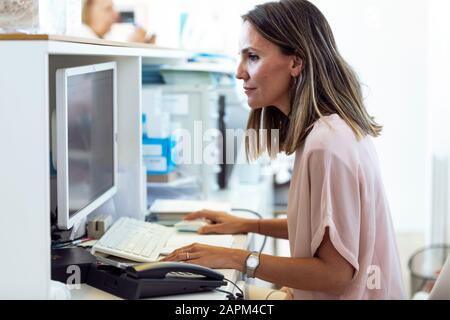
210, 256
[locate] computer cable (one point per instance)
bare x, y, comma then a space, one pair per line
240, 294
230, 295
69, 243
56, 243
257, 215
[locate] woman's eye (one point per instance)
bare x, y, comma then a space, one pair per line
253, 57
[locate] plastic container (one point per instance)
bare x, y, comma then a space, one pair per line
425, 265
19, 16
40, 16
159, 155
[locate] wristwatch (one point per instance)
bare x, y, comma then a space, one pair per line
252, 263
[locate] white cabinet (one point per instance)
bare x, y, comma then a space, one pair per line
27, 83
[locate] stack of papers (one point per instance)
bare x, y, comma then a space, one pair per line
175, 210
178, 241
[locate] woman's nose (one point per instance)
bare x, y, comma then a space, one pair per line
241, 73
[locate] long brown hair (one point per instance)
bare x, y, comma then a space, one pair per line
327, 84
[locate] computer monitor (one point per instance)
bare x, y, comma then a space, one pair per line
85, 140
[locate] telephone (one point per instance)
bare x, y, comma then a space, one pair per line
154, 279
159, 270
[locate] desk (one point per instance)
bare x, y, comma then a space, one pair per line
257, 197
87, 292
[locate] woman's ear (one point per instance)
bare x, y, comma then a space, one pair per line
297, 66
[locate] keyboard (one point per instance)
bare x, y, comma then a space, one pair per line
134, 240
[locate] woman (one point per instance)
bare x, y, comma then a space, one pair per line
98, 18
339, 226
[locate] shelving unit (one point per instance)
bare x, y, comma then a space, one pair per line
27, 82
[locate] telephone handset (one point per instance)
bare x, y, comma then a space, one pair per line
154, 279
159, 270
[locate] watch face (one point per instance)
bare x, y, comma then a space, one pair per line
252, 262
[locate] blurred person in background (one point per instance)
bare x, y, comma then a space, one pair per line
98, 17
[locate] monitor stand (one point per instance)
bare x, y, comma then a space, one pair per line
77, 231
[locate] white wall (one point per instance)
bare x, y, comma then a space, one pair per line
438, 84
385, 41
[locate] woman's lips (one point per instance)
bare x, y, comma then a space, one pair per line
248, 90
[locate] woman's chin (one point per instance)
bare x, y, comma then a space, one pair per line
253, 105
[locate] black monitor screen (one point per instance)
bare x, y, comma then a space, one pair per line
90, 117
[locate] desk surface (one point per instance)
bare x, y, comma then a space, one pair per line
87, 292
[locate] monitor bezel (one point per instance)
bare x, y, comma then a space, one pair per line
64, 221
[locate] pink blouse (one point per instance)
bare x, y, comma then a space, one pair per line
337, 184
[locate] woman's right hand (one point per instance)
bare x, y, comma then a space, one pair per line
222, 222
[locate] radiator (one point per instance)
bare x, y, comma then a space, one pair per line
440, 200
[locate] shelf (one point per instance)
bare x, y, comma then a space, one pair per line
68, 45
73, 39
